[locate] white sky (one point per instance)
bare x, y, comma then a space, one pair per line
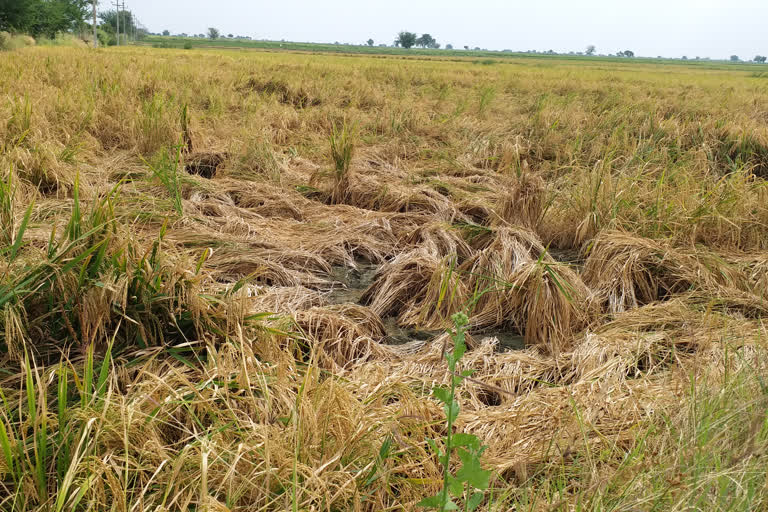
671, 28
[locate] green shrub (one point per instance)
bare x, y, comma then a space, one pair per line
104, 38
470, 482
62, 39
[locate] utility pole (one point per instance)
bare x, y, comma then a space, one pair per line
125, 28
117, 7
117, 19
95, 37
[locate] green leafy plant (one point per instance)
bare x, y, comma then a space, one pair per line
186, 135
469, 483
11, 232
342, 146
166, 169
19, 123
486, 97
41, 459
157, 127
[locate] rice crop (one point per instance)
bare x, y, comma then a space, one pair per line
227, 277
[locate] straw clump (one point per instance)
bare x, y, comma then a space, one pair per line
628, 271
345, 335
510, 282
523, 202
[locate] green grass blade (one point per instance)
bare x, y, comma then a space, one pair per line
86, 393
5, 446
101, 385
20, 234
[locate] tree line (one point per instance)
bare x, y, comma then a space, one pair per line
43, 17
50, 17
409, 39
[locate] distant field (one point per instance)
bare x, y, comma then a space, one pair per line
227, 277
179, 42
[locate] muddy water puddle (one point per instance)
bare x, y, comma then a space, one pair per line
398, 335
352, 284
508, 340
570, 257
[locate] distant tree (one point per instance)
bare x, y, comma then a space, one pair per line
629, 53
43, 17
426, 41
760, 59
405, 39
449, 46
213, 33
734, 58
230, 36
109, 24
166, 32
370, 42
590, 49
685, 57
466, 47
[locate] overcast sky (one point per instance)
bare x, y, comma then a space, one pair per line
671, 28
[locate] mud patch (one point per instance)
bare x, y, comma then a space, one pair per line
509, 340
397, 335
204, 164
571, 257
352, 282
